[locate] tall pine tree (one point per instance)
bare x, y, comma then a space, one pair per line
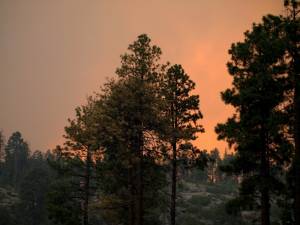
292, 33
132, 114
182, 114
256, 130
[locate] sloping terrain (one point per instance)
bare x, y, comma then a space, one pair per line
204, 203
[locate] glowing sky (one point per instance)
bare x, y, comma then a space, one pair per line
55, 53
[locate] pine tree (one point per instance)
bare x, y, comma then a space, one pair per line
77, 161
64, 199
132, 123
32, 194
182, 114
2, 147
82, 143
140, 71
256, 130
16, 159
2, 156
292, 31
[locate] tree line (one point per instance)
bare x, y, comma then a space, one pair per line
126, 147
121, 143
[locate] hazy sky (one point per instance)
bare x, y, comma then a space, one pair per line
54, 53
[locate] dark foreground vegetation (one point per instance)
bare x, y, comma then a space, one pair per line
129, 155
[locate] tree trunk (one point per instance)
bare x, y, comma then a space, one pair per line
140, 169
140, 194
174, 159
87, 188
297, 147
265, 173
140, 183
265, 206
174, 183
295, 74
131, 214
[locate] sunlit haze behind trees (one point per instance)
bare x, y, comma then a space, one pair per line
54, 54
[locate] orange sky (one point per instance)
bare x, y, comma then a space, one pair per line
55, 53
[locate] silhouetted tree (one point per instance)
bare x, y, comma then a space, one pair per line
182, 114
292, 30
79, 154
2, 147
64, 199
83, 144
131, 121
140, 72
2, 156
16, 159
256, 130
33, 191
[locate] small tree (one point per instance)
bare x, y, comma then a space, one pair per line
2, 147
2, 157
213, 165
33, 191
16, 158
78, 156
65, 196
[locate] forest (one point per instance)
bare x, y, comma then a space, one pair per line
130, 155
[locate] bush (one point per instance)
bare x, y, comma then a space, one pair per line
189, 219
199, 200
